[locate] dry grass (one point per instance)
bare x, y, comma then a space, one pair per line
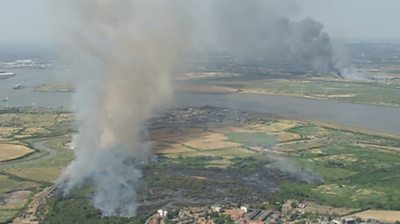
349, 158
380, 147
65, 117
32, 208
172, 149
365, 193
237, 130
258, 91
207, 89
381, 215
226, 154
10, 151
276, 128
34, 131
333, 189
7, 132
33, 120
211, 141
279, 126
8, 184
6, 215
56, 87
15, 200
166, 134
174, 135
315, 208
286, 136
315, 151
203, 75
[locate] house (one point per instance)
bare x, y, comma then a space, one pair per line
216, 208
350, 220
244, 209
162, 213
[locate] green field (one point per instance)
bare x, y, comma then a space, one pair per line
357, 171
366, 92
354, 170
355, 92
253, 139
32, 173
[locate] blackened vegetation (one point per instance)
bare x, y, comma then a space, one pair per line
194, 117
190, 180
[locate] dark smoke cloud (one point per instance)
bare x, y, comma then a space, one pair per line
253, 28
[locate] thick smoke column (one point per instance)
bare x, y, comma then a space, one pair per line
125, 51
254, 28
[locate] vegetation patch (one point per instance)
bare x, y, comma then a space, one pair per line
383, 215
253, 139
12, 151
212, 141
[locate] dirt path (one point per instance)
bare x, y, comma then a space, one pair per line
30, 214
41, 146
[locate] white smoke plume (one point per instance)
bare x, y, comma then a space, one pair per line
125, 52
292, 169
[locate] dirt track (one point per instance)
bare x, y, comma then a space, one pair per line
39, 146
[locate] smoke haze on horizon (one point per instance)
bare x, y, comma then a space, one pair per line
24, 21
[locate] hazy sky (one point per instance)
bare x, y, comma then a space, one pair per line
30, 21
356, 19
25, 21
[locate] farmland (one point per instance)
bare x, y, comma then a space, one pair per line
364, 91
32, 145
387, 216
13, 151
224, 157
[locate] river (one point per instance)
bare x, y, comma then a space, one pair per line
376, 118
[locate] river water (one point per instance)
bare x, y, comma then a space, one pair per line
377, 118
30, 78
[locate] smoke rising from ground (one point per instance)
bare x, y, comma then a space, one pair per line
125, 52
293, 170
254, 28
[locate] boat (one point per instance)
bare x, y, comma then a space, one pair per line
18, 86
5, 75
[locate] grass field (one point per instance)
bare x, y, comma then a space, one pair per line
211, 141
253, 139
12, 151
48, 169
357, 92
358, 170
56, 87
368, 92
23, 171
383, 215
